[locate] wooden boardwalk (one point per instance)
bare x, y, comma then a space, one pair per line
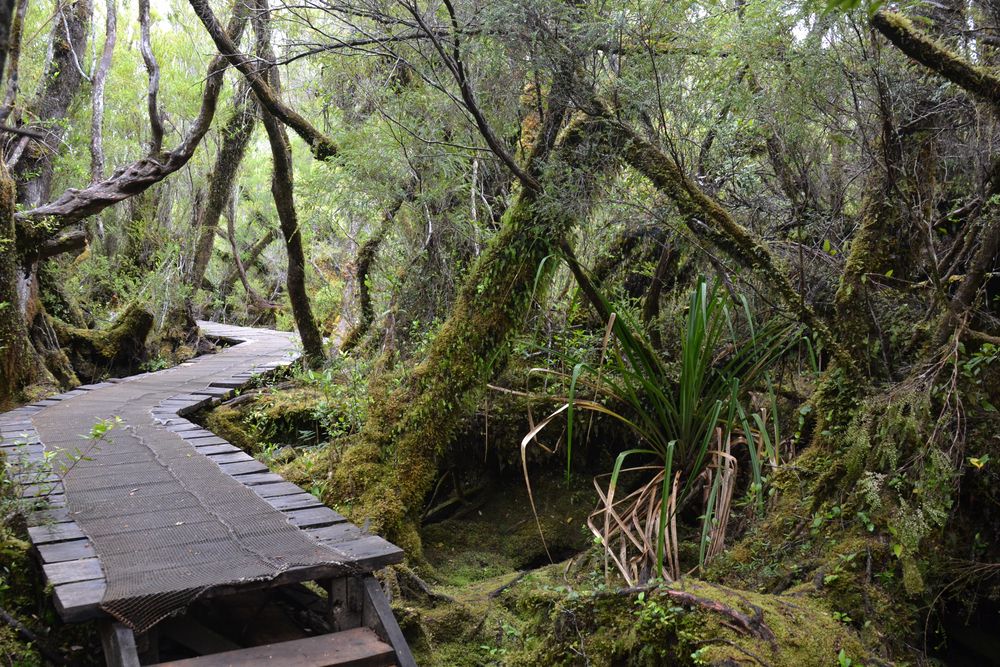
139, 469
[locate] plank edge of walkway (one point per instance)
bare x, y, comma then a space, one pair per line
79, 589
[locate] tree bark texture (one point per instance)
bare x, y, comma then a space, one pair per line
390, 471
32, 168
11, 30
282, 189
19, 365
235, 138
97, 94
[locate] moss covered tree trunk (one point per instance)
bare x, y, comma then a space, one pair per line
362, 267
235, 138
31, 165
19, 364
389, 472
32, 160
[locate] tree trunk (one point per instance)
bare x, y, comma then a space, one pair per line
235, 138
363, 264
257, 303
153, 90
32, 170
11, 31
284, 201
253, 254
97, 95
19, 365
389, 472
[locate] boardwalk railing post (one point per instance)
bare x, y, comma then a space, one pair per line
119, 645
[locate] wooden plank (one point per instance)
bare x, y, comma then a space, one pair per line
42, 491
378, 616
279, 489
314, 517
227, 384
242, 467
194, 636
197, 434
359, 647
182, 425
232, 457
369, 553
118, 643
57, 532
79, 601
298, 501
338, 532
256, 478
217, 392
207, 440
72, 571
63, 551
23, 438
217, 449
45, 516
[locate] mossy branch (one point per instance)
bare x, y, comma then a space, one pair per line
931, 54
707, 219
322, 147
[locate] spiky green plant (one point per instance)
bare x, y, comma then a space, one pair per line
676, 419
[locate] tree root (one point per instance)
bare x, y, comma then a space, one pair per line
408, 580
752, 625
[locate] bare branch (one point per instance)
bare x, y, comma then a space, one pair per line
153, 68
97, 94
455, 65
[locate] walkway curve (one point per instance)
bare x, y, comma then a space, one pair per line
172, 512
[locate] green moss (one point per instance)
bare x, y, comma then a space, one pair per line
412, 425
118, 349
228, 423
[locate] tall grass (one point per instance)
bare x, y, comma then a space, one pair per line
686, 426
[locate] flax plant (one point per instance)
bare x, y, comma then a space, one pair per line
686, 426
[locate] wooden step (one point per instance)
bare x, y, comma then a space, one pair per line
351, 648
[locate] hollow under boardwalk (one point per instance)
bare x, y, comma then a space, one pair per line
156, 512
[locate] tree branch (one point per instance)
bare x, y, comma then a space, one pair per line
97, 94
455, 65
75, 205
925, 50
322, 146
153, 68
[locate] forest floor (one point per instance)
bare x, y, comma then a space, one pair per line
489, 590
